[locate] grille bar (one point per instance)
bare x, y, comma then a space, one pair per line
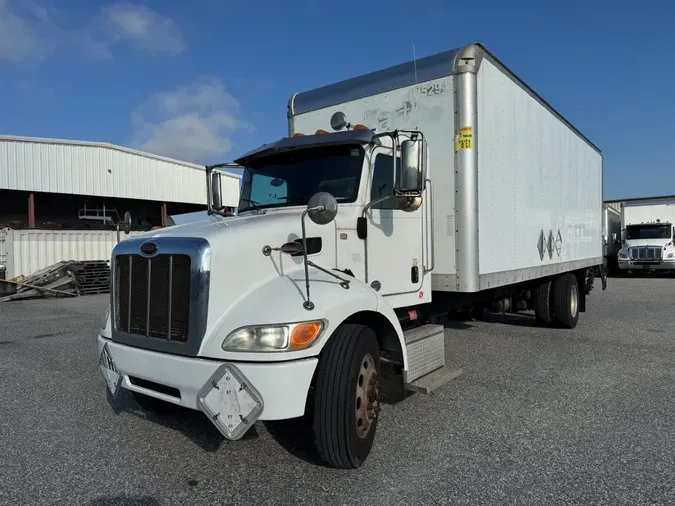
168, 332
131, 265
148, 298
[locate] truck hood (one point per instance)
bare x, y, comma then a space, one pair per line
280, 223
633, 243
238, 265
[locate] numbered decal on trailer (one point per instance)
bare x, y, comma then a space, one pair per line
464, 139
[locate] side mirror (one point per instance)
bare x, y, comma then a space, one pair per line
410, 177
216, 197
322, 208
127, 222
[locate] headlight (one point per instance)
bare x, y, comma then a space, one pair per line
106, 315
671, 255
293, 336
623, 255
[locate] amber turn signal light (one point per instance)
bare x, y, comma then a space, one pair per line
304, 334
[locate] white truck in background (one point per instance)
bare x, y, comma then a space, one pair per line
445, 184
648, 232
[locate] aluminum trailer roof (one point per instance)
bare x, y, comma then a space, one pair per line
407, 74
102, 169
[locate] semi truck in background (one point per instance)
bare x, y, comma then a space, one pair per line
611, 236
648, 232
439, 185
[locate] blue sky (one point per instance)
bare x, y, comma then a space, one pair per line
207, 80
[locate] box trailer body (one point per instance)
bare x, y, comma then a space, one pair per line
648, 231
446, 184
526, 202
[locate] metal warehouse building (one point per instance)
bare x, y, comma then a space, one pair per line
59, 184
62, 199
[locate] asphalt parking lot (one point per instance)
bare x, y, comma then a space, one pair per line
539, 416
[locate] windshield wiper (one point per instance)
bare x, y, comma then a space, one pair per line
254, 204
294, 199
304, 200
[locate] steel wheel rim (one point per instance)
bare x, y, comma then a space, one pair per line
574, 301
366, 396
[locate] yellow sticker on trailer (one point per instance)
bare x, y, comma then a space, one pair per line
464, 139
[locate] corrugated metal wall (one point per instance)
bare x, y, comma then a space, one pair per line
615, 205
103, 170
27, 251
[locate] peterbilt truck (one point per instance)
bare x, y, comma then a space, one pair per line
439, 185
648, 234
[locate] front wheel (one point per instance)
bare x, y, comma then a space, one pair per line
346, 402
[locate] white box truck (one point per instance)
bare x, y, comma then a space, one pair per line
438, 185
648, 233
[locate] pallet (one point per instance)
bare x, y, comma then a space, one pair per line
63, 279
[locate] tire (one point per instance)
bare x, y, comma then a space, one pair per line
152, 405
541, 301
565, 301
344, 422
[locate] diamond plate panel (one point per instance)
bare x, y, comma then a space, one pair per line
425, 355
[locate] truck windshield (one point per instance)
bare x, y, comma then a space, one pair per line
291, 178
656, 231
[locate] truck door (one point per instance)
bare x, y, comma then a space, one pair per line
395, 241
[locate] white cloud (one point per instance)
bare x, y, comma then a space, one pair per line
33, 31
18, 39
193, 123
141, 27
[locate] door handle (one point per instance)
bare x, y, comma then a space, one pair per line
430, 226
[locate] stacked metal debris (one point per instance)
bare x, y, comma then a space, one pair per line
62, 279
92, 277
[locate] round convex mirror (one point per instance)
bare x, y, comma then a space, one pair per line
327, 208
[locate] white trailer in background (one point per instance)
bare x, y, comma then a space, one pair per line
447, 184
648, 233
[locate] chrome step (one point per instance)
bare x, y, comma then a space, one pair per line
430, 382
425, 346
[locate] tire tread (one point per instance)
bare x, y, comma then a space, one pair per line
541, 298
560, 297
332, 439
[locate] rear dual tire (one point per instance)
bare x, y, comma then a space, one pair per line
565, 298
556, 302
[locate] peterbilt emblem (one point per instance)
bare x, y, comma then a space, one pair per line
148, 248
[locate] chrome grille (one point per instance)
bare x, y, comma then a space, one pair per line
152, 296
646, 254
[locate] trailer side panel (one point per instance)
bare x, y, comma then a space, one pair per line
539, 187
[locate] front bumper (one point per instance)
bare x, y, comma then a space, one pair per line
281, 386
636, 265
